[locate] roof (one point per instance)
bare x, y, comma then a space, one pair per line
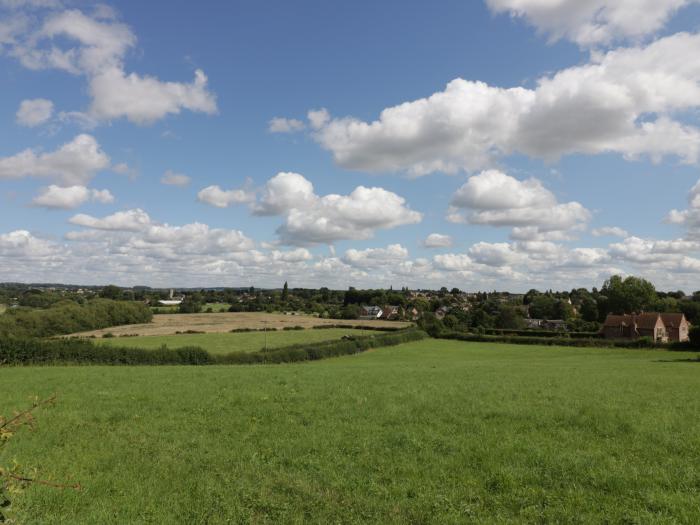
672, 320
617, 320
647, 321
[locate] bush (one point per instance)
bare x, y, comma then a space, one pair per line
694, 335
293, 328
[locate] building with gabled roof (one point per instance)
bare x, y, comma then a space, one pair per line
659, 327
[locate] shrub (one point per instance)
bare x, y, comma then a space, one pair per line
642, 342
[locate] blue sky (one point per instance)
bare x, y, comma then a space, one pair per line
564, 150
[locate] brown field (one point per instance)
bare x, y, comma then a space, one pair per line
166, 324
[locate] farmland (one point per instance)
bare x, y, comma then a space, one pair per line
427, 432
221, 343
169, 324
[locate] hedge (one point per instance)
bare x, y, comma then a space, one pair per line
543, 333
15, 351
642, 342
360, 327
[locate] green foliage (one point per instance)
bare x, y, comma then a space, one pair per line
629, 295
694, 335
69, 317
84, 351
190, 305
642, 342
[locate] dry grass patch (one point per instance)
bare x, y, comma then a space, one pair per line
168, 324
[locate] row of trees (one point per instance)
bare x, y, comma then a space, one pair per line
68, 317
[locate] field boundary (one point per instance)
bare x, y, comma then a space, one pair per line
565, 341
80, 351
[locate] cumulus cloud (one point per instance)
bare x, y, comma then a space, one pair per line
215, 196
95, 46
622, 101
34, 112
70, 197
314, 219
144, 99
609, 231
437, 240
172, 178
376, 257
74, 163
127, 221
690, 218
592, 22
285, 125
495, 199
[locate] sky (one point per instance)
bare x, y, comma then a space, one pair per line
482, 144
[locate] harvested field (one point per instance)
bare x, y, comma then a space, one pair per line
168, 324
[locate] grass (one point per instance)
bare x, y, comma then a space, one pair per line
428, 432
216, 307
3, 308
222, 343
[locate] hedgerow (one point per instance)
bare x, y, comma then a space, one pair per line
35, 351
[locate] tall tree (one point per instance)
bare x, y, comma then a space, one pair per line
285, 291
629, 295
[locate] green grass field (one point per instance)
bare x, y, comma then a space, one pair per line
222, 343
428, 432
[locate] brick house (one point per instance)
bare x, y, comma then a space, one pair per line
659, 327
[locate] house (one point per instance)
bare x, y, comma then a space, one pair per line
172, 301
370, 312
391, 312
413, 314
557, 325
660, 327
533, 324
677, 327
441, 312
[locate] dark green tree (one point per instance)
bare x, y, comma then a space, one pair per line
285, 292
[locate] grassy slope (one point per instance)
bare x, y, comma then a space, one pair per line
223, 343
436, 431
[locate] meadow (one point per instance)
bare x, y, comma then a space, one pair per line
222, 343
427, 432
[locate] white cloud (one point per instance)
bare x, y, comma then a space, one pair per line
609, 231
318, 118
437, 240
285, 125
591, 22
172, 178
215, 196
74, 163
70, 197
95, 46
376, 257
495, 199
690, 218
314, 219
620, 102
34, 112
127, 221
144, 99
21, 244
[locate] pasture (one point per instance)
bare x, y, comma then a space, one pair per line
427, 432
222, 343
168, 324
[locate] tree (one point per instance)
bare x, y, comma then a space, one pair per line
509, 318
589, 310
111, 292
285, 292
190, 305
629, 295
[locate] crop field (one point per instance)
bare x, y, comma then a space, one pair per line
167, 324
222, 343
427, 432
